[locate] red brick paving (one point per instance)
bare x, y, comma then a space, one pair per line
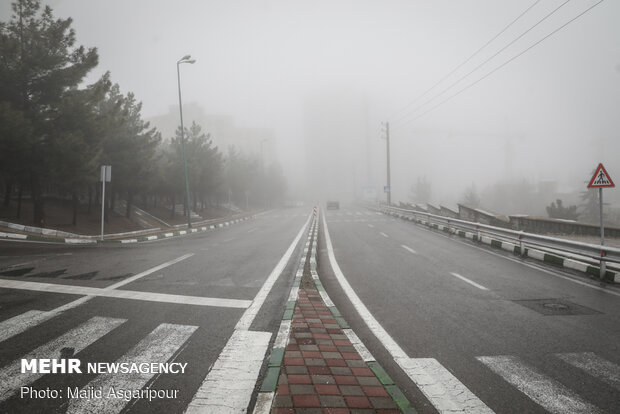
322, 368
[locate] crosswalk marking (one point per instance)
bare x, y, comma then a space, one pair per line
594, 365
443, 390
229, 385
550, 394
11, 377
160, 345
20, 323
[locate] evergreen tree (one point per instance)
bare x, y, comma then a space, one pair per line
40, 64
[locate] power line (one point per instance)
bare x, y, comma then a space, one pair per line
460, 65
505, 63
453, 84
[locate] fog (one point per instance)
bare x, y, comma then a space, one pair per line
314, 80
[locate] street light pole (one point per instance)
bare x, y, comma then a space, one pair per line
387, 149
184, 59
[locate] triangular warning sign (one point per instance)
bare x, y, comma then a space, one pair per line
601, 179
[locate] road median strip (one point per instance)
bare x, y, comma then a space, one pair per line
317, 360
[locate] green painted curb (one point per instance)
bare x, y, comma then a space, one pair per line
290, 304
270, 382
400, 399
342, 322
288, 314
549, 258
383, 377
334, 310
277, 355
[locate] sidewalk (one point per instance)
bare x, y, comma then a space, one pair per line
323, 372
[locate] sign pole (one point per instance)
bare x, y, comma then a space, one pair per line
600, 180
102, 199
602, 265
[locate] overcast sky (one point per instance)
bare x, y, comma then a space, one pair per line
553, 113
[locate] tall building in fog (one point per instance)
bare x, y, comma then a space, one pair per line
337, 140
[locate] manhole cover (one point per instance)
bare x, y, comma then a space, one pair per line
552, 307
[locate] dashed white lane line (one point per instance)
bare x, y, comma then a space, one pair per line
409, 249
471, 282
383, 234
160, 345
252, 229
371, 226
12, 378
550, 394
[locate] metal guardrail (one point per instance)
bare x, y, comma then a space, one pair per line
597, 252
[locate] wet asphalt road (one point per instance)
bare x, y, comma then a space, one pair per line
498, 307
228, 263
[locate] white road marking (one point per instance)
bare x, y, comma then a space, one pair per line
409, 249
550, 394
11, 377
252, 229
158, 346
125, 294
283, 332
251, 312
471, 282
532, 266
384, 235
393, 348
229, 385
263, 403
594, 365
359, 345
444, 391
453, 394
371, 226
21, 324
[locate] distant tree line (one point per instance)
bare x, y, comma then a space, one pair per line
55, 133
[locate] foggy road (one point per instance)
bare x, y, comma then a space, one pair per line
476, 330
220, 273
457, 326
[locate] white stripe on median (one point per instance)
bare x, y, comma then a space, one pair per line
471, 282
594, 365
229, 385
159, 346
550, 394
11, 377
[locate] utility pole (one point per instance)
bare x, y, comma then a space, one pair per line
387, 148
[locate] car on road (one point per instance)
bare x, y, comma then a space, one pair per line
333, 205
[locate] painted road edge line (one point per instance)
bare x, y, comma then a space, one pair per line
390, 387
437, 394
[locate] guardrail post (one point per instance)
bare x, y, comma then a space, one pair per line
521, 245
478, 238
